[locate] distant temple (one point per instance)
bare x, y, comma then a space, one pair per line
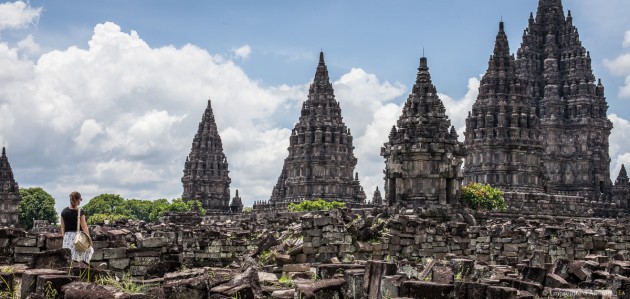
206, 170
321, 161
422, 157
9, 193
553, 78
621, 189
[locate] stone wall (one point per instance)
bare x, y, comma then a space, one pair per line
347, 235
560, 205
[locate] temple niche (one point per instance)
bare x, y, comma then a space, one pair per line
422, 157
321, 162
9, 193
206, 169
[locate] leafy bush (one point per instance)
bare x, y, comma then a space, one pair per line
315, 205
483, 197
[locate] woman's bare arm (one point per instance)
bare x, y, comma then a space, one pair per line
62, 226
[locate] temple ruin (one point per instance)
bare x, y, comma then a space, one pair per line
9, 193
539, 123
423, 156
206, 171
321, 161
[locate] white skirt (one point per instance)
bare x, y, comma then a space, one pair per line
68, 242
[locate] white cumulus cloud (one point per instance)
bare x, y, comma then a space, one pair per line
620, 66
18, 14
619, 146
243, 52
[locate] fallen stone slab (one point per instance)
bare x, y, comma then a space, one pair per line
29, 279
470, 290
320, 289
52, 259
498, 292
52, 284
326, 271
82, 290
189, 288
534, 274
422, 289
556, 282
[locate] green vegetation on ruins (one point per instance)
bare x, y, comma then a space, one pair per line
36, 204
483, 197
315, 205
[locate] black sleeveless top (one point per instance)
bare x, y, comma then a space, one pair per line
69, 217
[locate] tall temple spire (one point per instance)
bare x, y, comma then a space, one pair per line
422, 139
557, 75
321, 83
502, 125
622, 178
321, 161
206, 169
9, 192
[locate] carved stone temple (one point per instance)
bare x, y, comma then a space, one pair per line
9, 193
551, 76
321, 161
423, 156
206, 169
621, 189
502, 130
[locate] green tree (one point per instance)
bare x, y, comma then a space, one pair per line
484, 197
110, 204
36, 204
113, 207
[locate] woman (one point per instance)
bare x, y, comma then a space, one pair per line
69, 228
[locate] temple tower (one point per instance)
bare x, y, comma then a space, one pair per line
423, 157
377, 198
556, 72
321, 161
9, 193
206, 169
237, 204
621, 189
502, 131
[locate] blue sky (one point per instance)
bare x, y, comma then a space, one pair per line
105, 96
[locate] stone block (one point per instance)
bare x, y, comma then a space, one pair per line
427, 289
54, 242
144, 261
114, 253
25, 242
119, 264
152, 243
26, 250
296, 267
29, 279
50, 284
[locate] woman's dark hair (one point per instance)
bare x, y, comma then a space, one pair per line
75, 199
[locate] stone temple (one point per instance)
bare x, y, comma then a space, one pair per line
621, 189
546, 97
423, 156
9, 193
321, 161
206, 169
502, 130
